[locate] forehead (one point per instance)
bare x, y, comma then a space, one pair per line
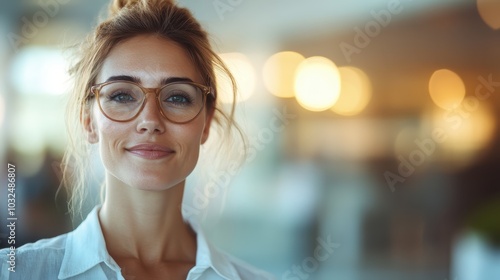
149, 58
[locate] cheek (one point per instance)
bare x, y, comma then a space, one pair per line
106, 128
195, 132
189, 138
110, 134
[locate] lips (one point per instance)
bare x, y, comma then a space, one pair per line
150, 151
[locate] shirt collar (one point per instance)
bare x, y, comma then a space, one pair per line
209, 257
86, 248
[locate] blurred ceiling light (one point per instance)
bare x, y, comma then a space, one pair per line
244, 74
355, 91
489, 11
447, 89
40, 70
279, 73
317, 83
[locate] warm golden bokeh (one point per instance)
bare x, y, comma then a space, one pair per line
468, 130
355, 91
446, 88
317, 83
279, 73
489, 10
243, 71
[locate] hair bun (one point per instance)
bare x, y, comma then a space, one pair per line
117, 5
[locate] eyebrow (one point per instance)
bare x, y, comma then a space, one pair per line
138, 80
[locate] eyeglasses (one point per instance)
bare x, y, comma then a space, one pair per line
179, 102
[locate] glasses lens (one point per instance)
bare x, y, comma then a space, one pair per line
120, 101
181, 102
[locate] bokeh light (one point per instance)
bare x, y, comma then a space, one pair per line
355, 91
447, 89
279, 73
468, 130
244, 74
317, 83
489, 10
45, 68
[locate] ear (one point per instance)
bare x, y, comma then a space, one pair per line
89, 126
208, 123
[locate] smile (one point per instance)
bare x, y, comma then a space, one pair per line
150, 151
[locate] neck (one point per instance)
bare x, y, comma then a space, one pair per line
146, 225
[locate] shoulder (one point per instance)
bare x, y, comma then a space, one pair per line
43, 257
49, 247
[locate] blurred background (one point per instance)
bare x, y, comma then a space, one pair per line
372, 126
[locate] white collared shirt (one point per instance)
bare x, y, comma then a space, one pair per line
82, 254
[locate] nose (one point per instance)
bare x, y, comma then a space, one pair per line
150, 119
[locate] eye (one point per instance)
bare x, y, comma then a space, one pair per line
121, 97
178, 98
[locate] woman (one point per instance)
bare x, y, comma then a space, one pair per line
145, 96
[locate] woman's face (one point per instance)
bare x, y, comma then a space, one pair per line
148, 152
